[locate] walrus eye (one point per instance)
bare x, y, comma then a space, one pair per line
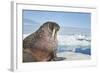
50, 27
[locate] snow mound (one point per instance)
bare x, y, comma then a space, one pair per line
73, 56
25, 35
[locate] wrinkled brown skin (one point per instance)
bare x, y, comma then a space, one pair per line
41, 45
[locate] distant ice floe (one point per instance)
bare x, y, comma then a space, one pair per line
74, 40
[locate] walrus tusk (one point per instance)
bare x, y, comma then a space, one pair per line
53, 33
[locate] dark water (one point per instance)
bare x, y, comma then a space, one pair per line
85, 51
77, 49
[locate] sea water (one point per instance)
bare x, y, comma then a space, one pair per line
76, 49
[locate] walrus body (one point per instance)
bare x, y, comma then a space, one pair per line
42, 44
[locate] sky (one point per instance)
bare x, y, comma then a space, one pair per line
32, 20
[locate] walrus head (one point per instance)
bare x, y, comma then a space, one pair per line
50, 28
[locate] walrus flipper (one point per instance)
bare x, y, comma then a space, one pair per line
59, 59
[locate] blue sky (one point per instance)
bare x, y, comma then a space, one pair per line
33, 19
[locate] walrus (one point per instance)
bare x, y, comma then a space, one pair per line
42, 44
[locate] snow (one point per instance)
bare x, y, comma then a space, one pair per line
73, 56
25, 35
73, 40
